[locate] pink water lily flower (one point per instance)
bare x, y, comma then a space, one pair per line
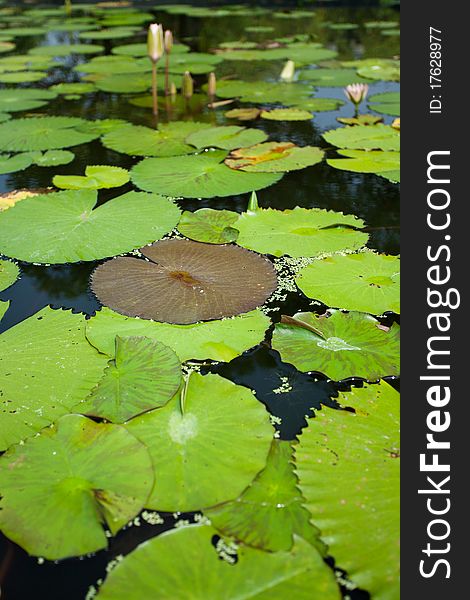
356, 92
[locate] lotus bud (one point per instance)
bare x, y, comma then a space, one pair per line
356, 92
172, 89
155, 44
188, 85
168, 41
211, 85
288, 72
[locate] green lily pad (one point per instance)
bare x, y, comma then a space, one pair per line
360, 120
196, 64
101, 126
379, 69
274, 157
22, 77
167, 140
226, 138
55, 367
73, 88
42, 133
339, 345
187, 437
81, 474
113, 33
243, 114
319, 104
264, 92
6, 47
269, 513
13, 100
342, 26
220, 340
96, 177
26, 31
330, 77
300, 53
52, 158
67, 228
366, 282
12, 163
9, 273
286, 114
26, 62
197, 176
348, 466
209, 225
143, 375
138, 50
387, 103
4, 117
299, 232
385, 164
3, 308
151, 571
365, 137
66, 49
126, 83
112, 65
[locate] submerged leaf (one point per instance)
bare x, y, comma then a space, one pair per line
185, 282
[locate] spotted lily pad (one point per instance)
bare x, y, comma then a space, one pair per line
185, 282
339, 345
299, 232
9, 272
151, 571
209, 225
67, 227
81, 474
220, 340
286, 114
385, 164
13, 100
365, 137
387, 103
167, 140
198, 176
226, 138
54, 366
367, 282
187, 437
96, 177
348, 466
144, 374
269, 512
331, 77
274, 157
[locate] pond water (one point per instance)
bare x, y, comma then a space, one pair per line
347, 31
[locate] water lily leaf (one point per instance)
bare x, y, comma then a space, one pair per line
53, 158
113, 33
387, 103
274, 157
144, 374
185, 282
197, 176
360, 120
243, 114
18, 162
66, 49
226, 138
342, 26
167, 140
365, 137
96, 177
4, 117
6, 47
300, 53
186, 444
82, 474
55, 367
3, 308
26, 31
220, 340
26, 62
13, 100
386, 164
330, 77
111, 65
73, 88
209, 225
141, 49
264, 92
287, 114
196, 63
259, 29
42, 133
367, 282
339, 345
380, 69
319, 104
22, 77
101, 126
67, 227
9, 273
299, 232
151, 571
348, 466
126, 83
269, 512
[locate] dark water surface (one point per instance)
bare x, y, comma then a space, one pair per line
368, 196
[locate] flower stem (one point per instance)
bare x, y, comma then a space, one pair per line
154, 89
167, 74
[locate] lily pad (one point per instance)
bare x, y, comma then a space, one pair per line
111, 65
220, 340
209, 225
151, 571
196, 63
360, 120
299, 232
96, 177
81, 474
365, 137
22, 77
67, 227
387, 103
101, 126
4, 117
331, 77
113, 33
286, 114
12, 163
339, 345
367, 282
226, 138
6, 47
139, 50
52, 158
66, 49
13, 100
198, 176
319, 104
9, 273
188, 436
380, 69
300, 53
243, 114
73, 88
274, 157
385, 164
42, 133
3, 308
185, 282
125, 83
348, 466
144, 374
167, 140
55, 367
269, 513
264, 92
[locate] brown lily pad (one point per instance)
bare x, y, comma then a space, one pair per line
185, 282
